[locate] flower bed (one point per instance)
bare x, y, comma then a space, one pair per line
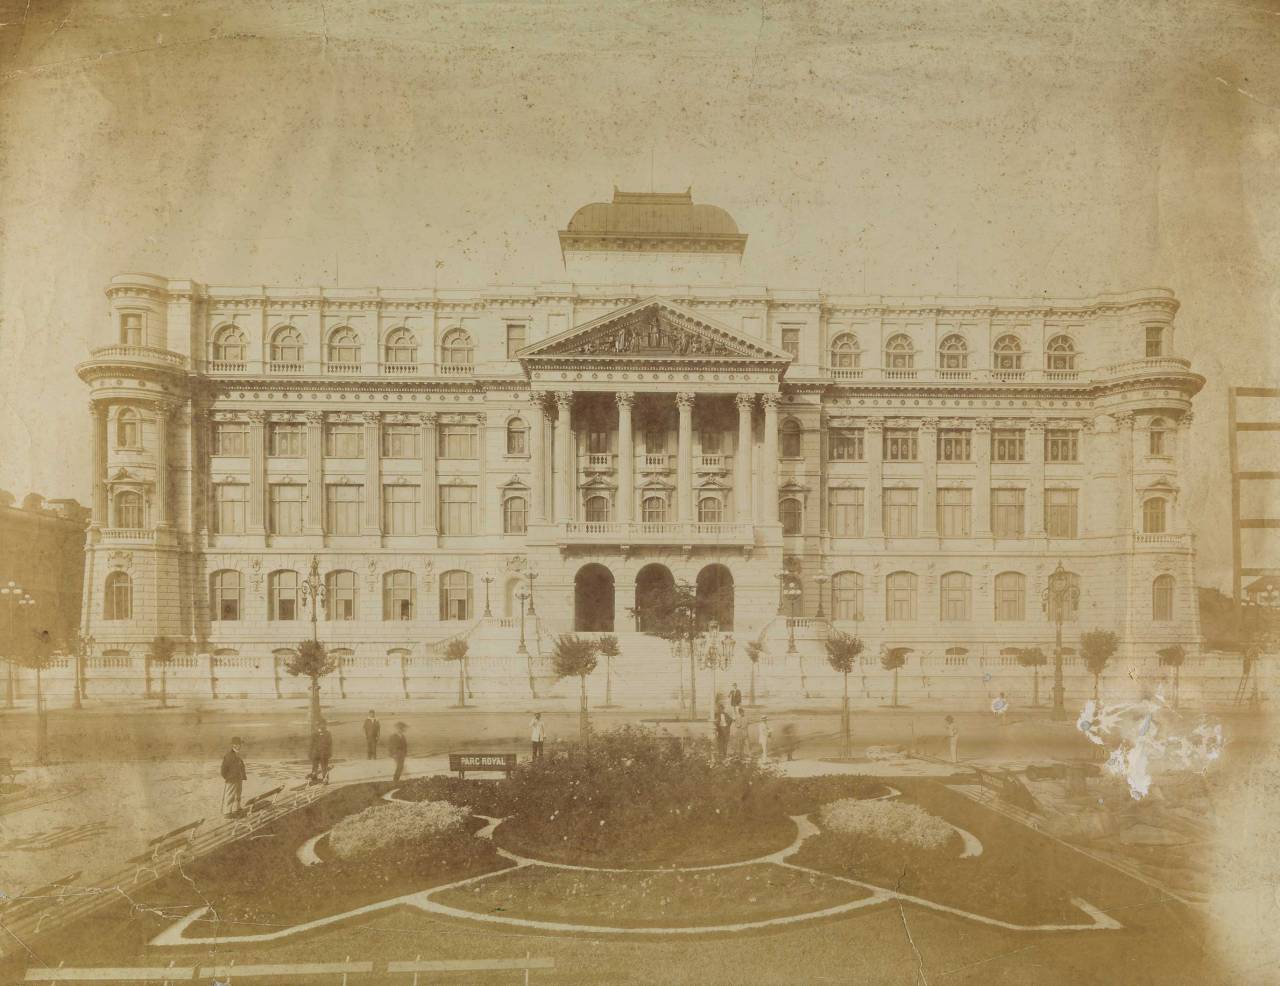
889, 821
387, 827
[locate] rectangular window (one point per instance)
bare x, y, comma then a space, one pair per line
791, 339
515, 338
899, 445
1008, 445
131, 329
954, 445
597, 442
1007, 513
344, 441
1060, 513
846, 513
1061, 445
457, 510
900, 513
230, 438
711, 442
655, 441
287, 439
400, 509
457, 441
1155, 341
286, 508
955, 512
847, 445
399, 441
229, 504
342, 508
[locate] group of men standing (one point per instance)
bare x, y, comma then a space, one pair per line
733, 730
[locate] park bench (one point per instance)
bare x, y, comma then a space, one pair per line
253, 811
31, 901
1006, 786
475, 763
6, 770
304, 793
171, 844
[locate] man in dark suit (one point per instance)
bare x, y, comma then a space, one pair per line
321, 751
398, 747
372, 729
735, 699
233, 777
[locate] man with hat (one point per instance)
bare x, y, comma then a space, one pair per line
233, 777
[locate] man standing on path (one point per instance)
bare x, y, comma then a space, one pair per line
537, 735
398, 747
372, 728
233, 777
321, 751
953, 738
735, 699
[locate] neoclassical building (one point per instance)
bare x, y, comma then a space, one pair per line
915, 467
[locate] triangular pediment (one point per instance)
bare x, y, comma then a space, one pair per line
654, 329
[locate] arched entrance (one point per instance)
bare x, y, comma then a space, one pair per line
593, 599
715, 596
653, 596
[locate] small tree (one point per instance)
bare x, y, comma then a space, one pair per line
842, 655
162, 652
893, 660
1097, 648
38, 656
1173, 657
755, 651
576, 656
1033, 658
607, 647
312, 660
456, 650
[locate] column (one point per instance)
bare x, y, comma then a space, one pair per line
537, 463
1035, 489
562, 456
927, 449
98, 454
482, 473
684, 459
768, 512
873, 447
427, 450
257, 471
371, 522
314, 520
982, 479
1182, 455
1128, 515
626, 458
742, 476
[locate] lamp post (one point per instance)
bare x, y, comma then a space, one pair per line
522, 596
11, 594
531, 575
487, 579
717, 652
1060, 593
313, 591
822, 580
84, 647
792, 591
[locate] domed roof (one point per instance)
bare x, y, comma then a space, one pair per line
662, 213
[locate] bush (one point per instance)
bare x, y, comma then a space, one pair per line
887, 821
393, 825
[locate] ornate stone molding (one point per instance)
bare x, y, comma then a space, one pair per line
625, 398
686, 399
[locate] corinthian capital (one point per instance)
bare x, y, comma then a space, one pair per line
745, 402
315, 418
625, 399
258, 418
685, 399
428, 418
770, 401
982, 425
564, 401
372, 417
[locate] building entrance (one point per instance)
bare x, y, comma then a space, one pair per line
593, 599
653, 597
715, 597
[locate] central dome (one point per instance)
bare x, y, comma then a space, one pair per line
662, 214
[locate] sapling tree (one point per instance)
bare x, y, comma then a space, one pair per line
894, 659
162, 652
1173, 657
1033, 658
607, 647
1097, 648
842, 655
456, 650
574, 656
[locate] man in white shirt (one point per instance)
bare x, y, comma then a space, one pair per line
537, 735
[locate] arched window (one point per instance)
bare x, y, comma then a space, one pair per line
229, 345
900, 597
1162, 599
1064, 592
128, 430
399, 597
1153, 515
517, 437
1155, 437
846, 596
654, 510
117, 597
224, 596
791, 439
845, 354
710, 510
282, 595
340, 596
956, 602
344, 346
791, 513
455, 595
129, 510
457, 349
401, 348
1007, 354
899, 354
597, 509
953, 353
515, 515
1011, 597
1060, 354
286, 345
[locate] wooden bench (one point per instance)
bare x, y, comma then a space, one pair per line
304, 793
1008, 787
477, 763
254, 809
172, 844
6, 770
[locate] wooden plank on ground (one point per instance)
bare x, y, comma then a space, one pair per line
293, 969
105, 975
470, 965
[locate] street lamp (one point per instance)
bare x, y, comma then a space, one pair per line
11, 593
717, 652
522, 596
313, 590
84, 647
821, 580
1061, 592
531, 575
792, 591
487, 579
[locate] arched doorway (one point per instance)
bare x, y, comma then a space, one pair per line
593, 599
715, 596
653, 592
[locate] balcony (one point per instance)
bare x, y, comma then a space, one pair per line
954, 374
134, 534
1008, 374
399, 369
655, 532
846, 373
1162, 540
226, 366
654, 460
900, 374
140, 354
711, 461
284, 367
456, 369
345, 368
599, 462
1062, 374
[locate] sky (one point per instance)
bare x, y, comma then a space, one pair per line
1002, 148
